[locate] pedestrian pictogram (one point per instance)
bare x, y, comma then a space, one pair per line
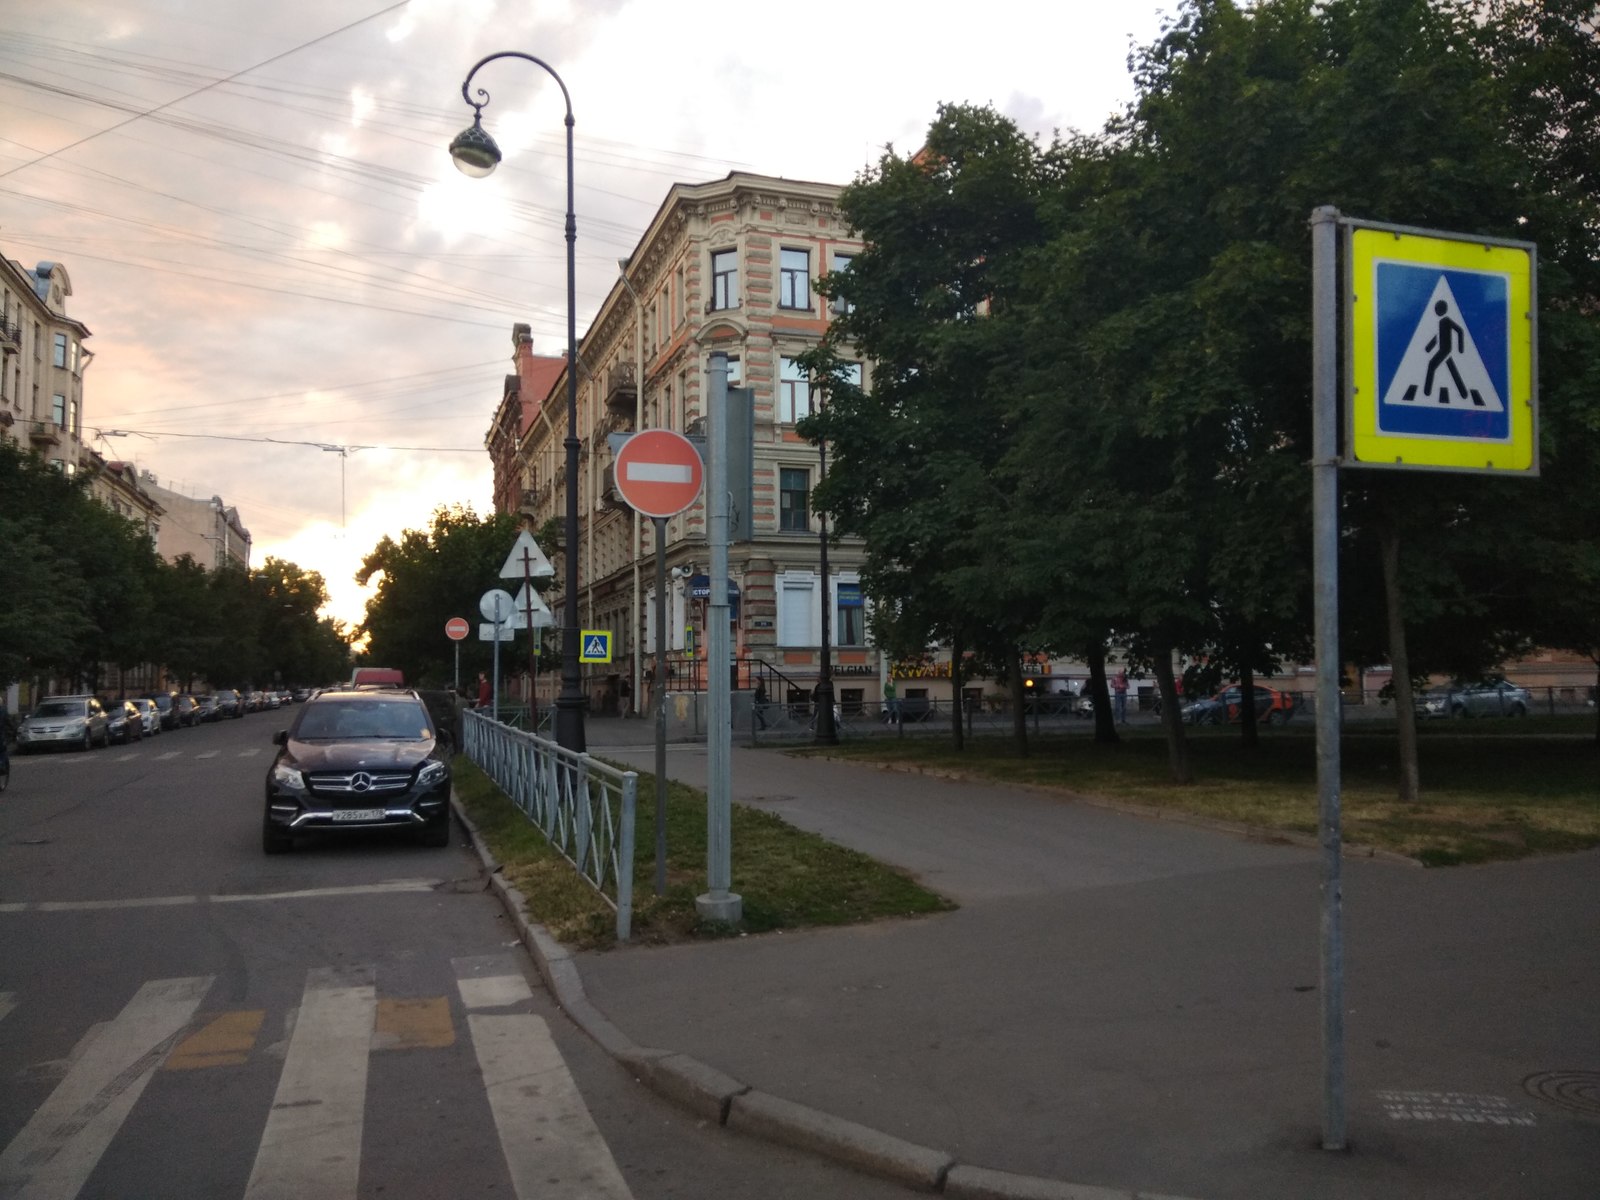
659, 473
595, 646
1441, 344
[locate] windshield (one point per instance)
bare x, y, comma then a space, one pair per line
345, 720
60, 708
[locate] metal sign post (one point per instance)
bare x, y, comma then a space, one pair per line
1325, 310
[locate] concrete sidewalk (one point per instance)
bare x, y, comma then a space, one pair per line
1132, 1004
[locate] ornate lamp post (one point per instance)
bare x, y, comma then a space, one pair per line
827, 731
476, 155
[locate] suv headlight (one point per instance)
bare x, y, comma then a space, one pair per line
432, 774
289, 778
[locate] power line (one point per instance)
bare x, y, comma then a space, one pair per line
204, 88
225, 437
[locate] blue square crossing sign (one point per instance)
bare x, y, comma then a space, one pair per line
594, 646
1440, 333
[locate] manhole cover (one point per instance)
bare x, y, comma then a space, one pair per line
1576, 1091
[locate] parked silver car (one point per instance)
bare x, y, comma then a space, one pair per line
149, 715
75, 721
1491, 696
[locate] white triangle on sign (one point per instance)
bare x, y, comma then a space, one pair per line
540, 612
595, 648
1441, 367
526, 560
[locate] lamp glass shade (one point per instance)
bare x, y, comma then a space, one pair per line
474, 152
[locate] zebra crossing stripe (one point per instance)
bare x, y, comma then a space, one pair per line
552, 1146
57, 1150
168, 754
8, 1001
250, 753
209, 754
311, 1148
490, 981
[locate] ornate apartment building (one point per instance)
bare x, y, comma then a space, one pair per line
724, 266
42, 361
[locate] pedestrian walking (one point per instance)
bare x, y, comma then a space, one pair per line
891, 702
625, 697
759, 703
1119, 695
485, 692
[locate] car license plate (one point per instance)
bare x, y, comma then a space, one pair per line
358, 814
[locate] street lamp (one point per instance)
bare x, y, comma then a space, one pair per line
827, 730
476, 155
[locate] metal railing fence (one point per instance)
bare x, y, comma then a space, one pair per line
585, 808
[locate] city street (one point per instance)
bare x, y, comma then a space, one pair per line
182, 1016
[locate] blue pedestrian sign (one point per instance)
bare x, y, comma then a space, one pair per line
594, 646
1441, 339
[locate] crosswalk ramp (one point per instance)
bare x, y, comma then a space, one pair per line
310, 1146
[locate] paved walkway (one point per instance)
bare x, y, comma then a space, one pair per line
1132, 1003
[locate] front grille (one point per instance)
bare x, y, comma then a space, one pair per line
359, 783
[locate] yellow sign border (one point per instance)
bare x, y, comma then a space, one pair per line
1365, 446
583, 640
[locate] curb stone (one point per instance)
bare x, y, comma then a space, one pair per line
708, 1093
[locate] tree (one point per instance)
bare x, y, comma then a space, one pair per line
914, 458
423, 580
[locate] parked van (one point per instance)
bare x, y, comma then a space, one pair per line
377, 677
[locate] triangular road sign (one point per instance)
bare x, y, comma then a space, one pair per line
542, 616
526, 560
1441, 368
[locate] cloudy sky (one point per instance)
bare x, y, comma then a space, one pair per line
267, 238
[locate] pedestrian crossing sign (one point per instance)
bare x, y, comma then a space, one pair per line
1440, 336
595, 646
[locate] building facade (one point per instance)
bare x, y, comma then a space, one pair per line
726, 266
210, 531
42, 362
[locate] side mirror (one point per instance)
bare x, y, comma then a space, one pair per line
281, 738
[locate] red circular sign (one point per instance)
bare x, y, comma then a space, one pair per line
659, 473
456, 628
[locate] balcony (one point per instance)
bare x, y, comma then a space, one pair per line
622, 388
44, 433
10, 337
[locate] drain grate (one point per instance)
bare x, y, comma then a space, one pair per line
1576, 1091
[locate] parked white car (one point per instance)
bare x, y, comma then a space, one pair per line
75, 721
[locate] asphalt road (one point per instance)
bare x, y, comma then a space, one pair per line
182, 1016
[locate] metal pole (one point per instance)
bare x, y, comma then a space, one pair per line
658, 701
719, 903
570, 703
1325, 310
827, 731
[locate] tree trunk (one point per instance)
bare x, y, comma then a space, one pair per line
1399, 663
1019, 719
1105, 721
1249, 731
1172, 719
957, 732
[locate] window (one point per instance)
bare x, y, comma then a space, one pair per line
794, 392
794, 279
724, 279
794, 492
795, 603
841, 263
852, 374
59, 355
849, 628
58, 409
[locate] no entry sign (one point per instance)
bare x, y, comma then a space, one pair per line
659, 473
456, 628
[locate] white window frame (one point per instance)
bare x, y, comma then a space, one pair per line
794, 391
729, 295
797, 609
790, 277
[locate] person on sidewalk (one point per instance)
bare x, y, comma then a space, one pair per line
625, 697
891, 702
758, 704
485, 692
1119, 695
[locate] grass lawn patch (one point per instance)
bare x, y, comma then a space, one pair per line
788, 879
1532, 788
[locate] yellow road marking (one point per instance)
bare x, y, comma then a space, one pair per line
225, 1041
423, 1023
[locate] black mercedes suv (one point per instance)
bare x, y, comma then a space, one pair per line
354, 761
